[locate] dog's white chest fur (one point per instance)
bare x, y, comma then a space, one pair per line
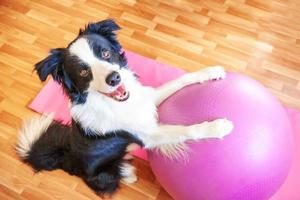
101, 114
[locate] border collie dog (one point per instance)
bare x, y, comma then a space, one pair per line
110, 110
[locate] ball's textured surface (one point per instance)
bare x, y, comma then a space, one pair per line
250, 163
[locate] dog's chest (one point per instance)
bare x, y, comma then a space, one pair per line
136, 115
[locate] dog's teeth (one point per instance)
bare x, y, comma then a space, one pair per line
118, 97
121, 97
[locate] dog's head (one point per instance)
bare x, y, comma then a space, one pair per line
92, 61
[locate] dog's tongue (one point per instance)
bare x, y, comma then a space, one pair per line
120, 93
121, 90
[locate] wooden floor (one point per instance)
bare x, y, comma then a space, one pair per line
260, 38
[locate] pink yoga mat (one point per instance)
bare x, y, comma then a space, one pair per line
52, 99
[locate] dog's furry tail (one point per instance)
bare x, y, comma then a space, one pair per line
42, 143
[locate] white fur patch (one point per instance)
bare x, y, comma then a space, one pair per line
128, 173
100, 71
218, 128
177, 151
82, 50
30, 132
207, 74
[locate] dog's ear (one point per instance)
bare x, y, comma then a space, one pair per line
105, 28
51, 65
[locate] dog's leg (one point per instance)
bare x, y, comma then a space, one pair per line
173, 134
128, 170
169, 139
103, 182
128, 173
210, 73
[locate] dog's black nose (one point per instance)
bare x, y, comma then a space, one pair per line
113, 79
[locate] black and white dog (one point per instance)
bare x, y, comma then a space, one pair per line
110, 109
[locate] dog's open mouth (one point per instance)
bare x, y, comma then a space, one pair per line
120, 94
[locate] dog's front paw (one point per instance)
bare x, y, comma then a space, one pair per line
214, 129
212, 73
207, 74
220, 128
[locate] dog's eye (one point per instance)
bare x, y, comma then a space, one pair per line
84, 72
105, 54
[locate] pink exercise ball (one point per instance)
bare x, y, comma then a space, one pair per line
249, 164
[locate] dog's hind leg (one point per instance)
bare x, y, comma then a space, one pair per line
128, 173
103, 182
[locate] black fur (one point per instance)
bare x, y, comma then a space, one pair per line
51, 65
96, 159
105, 28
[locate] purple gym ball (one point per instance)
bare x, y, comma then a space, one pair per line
250, 163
